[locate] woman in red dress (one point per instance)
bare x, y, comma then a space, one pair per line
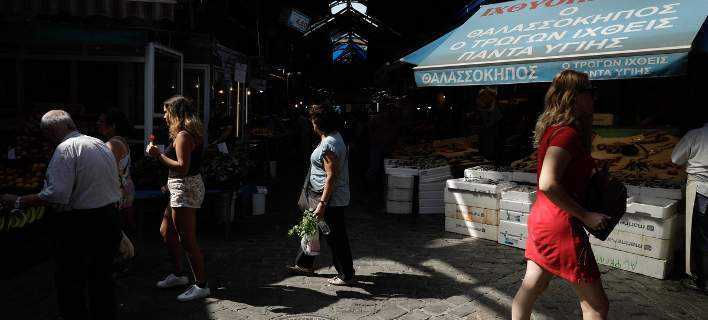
557, 244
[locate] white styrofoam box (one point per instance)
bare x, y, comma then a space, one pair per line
473, 229
432, 186
473, 173
525, 177
655, 207
401, 171
399, 207
434, 174
655, 268
478, 186
649, 192
396, 194
432, 195
518, 206
521, 193
473, 199
513, 216
474, 214
431, 209
635, 243
513, 234
432, 203
651, 227
400, 182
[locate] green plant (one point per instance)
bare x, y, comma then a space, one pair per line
306, 227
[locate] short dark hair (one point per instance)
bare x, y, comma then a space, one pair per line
119, 121
325, 118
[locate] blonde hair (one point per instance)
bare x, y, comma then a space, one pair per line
181, 116
560, 105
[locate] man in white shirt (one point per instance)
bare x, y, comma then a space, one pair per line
692, 151
82, 184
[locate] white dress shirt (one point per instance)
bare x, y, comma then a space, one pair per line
692, 150
82, 174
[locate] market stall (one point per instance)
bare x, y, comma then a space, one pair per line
521, 42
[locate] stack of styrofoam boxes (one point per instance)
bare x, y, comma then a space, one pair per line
400, 177
472, 207
643, 241
399, 194
515, 206
431, 189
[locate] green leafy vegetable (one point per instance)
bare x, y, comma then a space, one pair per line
306, 227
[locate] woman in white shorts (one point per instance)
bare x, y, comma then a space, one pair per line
183, 159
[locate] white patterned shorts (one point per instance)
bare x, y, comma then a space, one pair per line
186, 192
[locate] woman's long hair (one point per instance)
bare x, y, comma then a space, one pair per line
560, 105
181, 116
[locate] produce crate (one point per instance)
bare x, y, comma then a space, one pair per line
437, 209
479, 185
399, 207
651, 227
637, 244
472, 229
524, 177
473, 199
520, 193
517, 206
432, 195
473, 173
432, 186
396, 194
513, 216
654, 207
655, 268
435, 174
400, 182
650, 192
474, 214
513, 234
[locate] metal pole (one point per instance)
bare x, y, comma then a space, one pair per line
238, 109
149, 107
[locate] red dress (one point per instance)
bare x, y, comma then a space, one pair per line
557, 241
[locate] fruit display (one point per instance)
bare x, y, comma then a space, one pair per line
17, 177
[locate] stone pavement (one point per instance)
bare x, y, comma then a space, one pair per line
407, 268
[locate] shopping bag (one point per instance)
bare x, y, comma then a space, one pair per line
310, 244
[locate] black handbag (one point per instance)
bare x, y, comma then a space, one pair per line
608, 196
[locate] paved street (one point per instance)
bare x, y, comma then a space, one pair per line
407, 268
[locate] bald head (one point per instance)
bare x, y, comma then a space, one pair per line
57, 124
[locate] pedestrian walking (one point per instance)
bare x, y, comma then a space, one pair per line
557, 244
329, 184
186, 188
692, 151
82, 184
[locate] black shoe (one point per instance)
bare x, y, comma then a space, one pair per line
694, 284
298, 270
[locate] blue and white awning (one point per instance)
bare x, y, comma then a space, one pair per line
531, 41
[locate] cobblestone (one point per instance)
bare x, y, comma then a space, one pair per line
407, 268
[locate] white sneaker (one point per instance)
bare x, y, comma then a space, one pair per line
193, 293
172, 281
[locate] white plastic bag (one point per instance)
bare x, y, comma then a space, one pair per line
311, 244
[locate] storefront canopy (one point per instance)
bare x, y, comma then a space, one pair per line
531, 41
